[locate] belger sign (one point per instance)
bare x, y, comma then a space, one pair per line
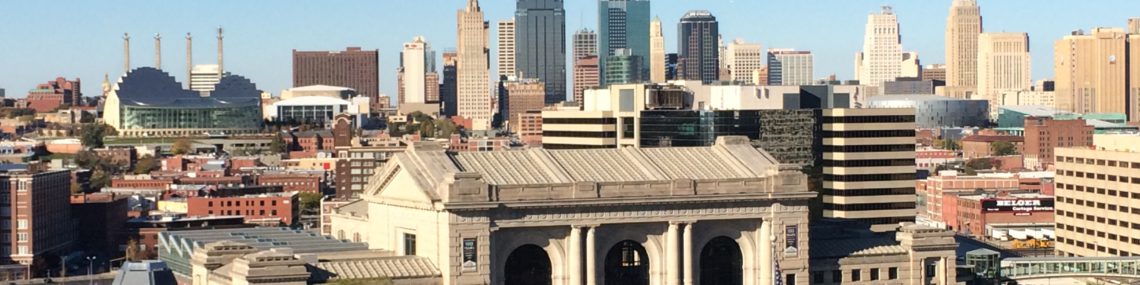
1018, 205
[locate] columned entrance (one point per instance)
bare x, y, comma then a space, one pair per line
627, 264
722, 262
528, 265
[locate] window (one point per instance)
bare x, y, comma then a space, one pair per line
855, 276
22, 237
22, 224
790, 279
893, 273
874, 274
836, 276
409, 244
23, 249
817, 277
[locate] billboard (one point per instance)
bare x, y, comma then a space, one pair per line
1018, 205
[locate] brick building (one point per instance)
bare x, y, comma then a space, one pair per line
142, 183
270, 209
977, 146
936, 193
1043, 134
522, 96
101, 220
292, 182
39, 213
529, 128
999, 215
353, 68
52, 95
312, 141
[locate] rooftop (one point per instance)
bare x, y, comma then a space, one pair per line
151, 87
185, 242
398, 267
1035, 111
993, 138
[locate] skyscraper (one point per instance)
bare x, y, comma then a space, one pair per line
656, 52
868, 166
416, 61
540, 32
623, 67
789, 67
473, 78
1003, 65
623, 24
353, 68
1091, 71
585, 43
586, 72
507, 46
881, 58
962, 28
697, 47
742, 59
448, 88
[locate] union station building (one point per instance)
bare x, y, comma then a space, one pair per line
724, 214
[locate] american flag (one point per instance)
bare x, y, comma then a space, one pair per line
776, 271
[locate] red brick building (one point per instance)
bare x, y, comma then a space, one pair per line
153, 183
52, 95
1043, 134
101, 219
303, 183
989, 215
938, 192
353, 68
529, 128
39, 214
311, 142
271, 209
977, 146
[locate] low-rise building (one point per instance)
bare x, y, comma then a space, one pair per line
265, 209
977, 146
101, 220
1005, 216
936, 193
293, 182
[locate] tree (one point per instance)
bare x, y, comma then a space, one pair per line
181, 146
1003, 148
91, 135
146, 164
427, 129
278, 144
310, 202
976, 164
444, 128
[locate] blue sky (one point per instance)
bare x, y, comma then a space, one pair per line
39, 41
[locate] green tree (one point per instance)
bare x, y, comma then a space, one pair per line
146, 164
310, 202
1003, 148
444, 128
976, 164
427, 129
181, 146
278, 144
91, 135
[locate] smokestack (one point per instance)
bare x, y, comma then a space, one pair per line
221, 67
189, 57
157, 51
126, 53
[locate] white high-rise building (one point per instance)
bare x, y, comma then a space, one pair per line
882, 55
472, 74
963, 25
1003, 65
204, 77
414, 65
585, 43
742, 59
789, 67
506, 39
656, 51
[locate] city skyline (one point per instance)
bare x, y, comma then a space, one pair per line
260, 49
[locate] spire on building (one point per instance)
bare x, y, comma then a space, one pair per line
472, 5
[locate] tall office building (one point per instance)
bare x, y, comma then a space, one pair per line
789, 67
882, 55
586, 72
507, 40
522, 96
353, 68
1003, 65
540, 51
698, 51
963, 25
1091, 71
473, 78
38, 212
622, 68
656, 51
934, 72
868, 166
416, 61
623, 24
742, 60
585, 43
448, 105
671, 66
1097, 203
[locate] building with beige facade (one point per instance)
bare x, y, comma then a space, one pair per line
1096, 198
472, 71
723, 214
869, 166
743, 58
789, 67
505, 35
656, 51
610, 117
963, 26
1003, 64
1091, 71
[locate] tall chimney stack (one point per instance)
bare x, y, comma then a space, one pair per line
126, 53
189, 57
221, 68
157, 51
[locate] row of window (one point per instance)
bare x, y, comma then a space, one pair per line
869, 207
1099, 176
1101, 162
1101, 248
869, 148
869, 177
1098, 205
238, 203
573, 134
579, 121
868, 162
868, 192
1098, 191
868, 119
868, 134
238, 212
874, 274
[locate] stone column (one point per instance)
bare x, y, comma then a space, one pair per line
672, 245
574, 252
591, 259
766, 269
687, 254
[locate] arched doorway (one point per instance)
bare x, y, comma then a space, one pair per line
722, 262
528, 265
627, 264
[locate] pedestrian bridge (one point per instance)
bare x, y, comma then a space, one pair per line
1071, 267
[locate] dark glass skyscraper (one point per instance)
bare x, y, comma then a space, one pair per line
540, 45
448, 90
623, 24
698, 47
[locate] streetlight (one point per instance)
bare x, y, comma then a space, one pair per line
90, 265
